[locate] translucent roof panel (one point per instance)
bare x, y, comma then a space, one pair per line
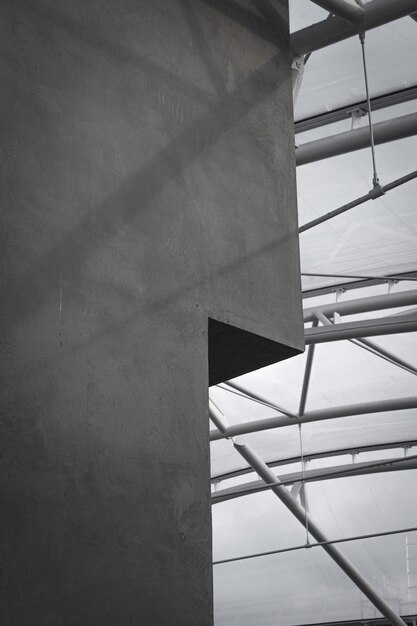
334, 75
305, 586
376, 238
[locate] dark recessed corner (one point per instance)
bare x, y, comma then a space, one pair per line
233, 351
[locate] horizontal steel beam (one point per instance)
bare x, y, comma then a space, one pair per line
351, 285
386, 278
347, 10
364, 305
335, 29
365, 408
366, 328
325, 454
357, 139
316, 475
370, 621
346, 112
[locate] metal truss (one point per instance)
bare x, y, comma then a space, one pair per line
349, 18
354, 331
329, 331
300, 513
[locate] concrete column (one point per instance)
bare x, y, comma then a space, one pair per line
147, 186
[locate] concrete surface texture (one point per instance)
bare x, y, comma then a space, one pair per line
147, 185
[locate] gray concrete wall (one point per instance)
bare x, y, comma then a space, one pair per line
147, 185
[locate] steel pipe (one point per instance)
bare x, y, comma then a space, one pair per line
364, 305
373, 348
405, 444
304, 546
279, 421
335, 29
347, 10
332, 550
391, 277
366, 328
345, 112
329, 473
258, 398
351, 140
307, 375
386, 354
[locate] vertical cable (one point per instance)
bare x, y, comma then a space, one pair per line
303, 482
375, 180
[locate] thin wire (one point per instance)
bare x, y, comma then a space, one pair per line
375, 179
303, 483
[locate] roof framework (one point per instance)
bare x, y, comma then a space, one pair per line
339, 422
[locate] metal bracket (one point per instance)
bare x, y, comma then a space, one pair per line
297, 72
356, 117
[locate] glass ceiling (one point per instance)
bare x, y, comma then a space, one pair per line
355, 474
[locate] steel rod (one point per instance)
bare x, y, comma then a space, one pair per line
307, 376
386, 533
375, 193
375, 179
385, 354
259, 398
373, 348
